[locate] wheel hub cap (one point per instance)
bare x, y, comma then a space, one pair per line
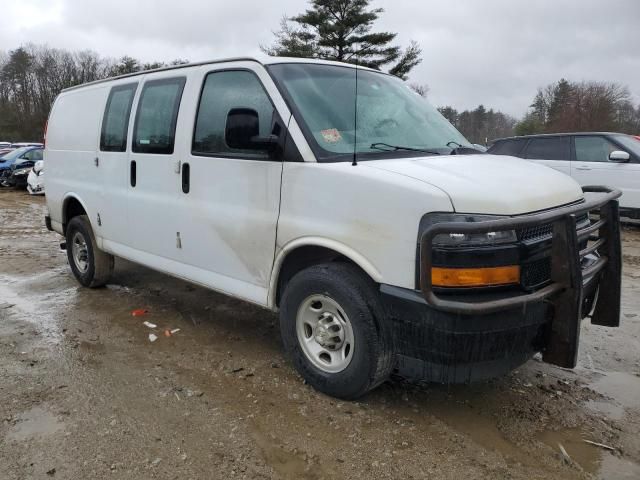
80, 252
325, 334
329, 332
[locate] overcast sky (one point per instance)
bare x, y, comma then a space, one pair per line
495, 52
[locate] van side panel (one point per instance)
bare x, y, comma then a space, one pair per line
369, 212
72, 142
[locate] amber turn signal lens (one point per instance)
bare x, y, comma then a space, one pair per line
475, 277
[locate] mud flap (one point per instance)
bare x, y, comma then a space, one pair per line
564, 332
607, 311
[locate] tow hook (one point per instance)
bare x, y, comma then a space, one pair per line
63, 245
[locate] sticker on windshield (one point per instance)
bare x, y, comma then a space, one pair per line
331, 135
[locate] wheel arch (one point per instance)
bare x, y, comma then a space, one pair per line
306, 252
72, 206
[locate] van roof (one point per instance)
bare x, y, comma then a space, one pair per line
261, 59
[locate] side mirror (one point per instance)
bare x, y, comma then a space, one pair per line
619, 156
242, 131
38, 166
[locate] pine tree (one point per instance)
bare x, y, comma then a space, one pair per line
341, 30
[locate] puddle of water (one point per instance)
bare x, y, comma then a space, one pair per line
608, 409
480, 429
623, 387
602, 464
586, 455
39, 311
613, 467
35, 423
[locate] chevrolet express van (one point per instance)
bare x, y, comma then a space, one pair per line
337, 197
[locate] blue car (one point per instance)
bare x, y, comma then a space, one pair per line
30, 154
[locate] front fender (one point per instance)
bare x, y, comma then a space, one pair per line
338, 247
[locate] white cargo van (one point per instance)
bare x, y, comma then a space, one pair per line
338, 197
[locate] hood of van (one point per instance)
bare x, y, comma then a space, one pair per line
490, 184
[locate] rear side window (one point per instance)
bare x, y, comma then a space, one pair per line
593, 149
157, 115
115, 122
551, 148
222, 92
507, 147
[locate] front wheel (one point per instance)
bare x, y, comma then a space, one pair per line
333, 331
91, 266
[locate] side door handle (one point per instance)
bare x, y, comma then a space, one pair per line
583, 167
186, 178
132, 173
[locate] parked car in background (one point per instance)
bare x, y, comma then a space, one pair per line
35, 179
591, 158
5, 144
32, 154
20, 170
26, 144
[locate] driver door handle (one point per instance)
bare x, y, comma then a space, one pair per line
583, 167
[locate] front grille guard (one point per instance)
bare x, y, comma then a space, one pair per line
569, 282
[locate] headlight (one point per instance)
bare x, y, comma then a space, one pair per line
21, 171
471, 239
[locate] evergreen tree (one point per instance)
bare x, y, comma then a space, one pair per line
342, 30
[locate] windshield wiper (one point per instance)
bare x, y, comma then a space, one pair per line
458, 148
394, 148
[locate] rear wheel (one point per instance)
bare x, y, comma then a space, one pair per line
332, 329
91, 266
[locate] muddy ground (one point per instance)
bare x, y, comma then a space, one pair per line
84, 394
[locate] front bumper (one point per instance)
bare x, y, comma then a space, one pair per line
466, 336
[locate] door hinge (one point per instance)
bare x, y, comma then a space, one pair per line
178, 240
99, 220
96, 161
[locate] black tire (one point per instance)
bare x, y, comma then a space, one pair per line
372, 357
99, 265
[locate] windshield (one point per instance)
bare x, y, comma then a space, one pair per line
629, 143
392, 120
15, 154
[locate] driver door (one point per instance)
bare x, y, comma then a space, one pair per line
228, 198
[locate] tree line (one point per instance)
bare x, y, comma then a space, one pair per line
567, 106
32, 76
480, 125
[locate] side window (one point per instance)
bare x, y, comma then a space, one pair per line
115, 121
507, 147
222, 92
549, 148
37, 155
593, 149
155, 127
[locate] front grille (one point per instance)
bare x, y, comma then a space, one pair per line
536, 233
535, 274
541, 232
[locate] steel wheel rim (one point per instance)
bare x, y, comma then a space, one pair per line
324, 333
80, 252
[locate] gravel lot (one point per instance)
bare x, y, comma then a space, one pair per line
84, 394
